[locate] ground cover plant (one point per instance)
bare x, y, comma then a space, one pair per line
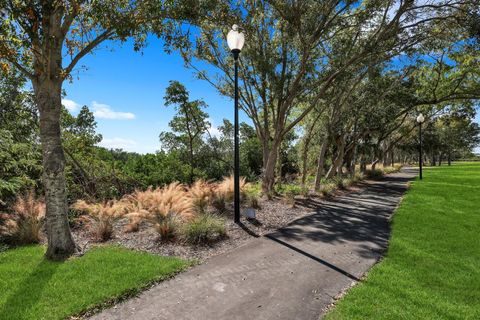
32, 287
431, 268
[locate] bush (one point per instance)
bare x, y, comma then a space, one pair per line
358, 176
252, 194
204, 229
289, 191
24, 225
374, 174
343, 183
101, 217
327, 188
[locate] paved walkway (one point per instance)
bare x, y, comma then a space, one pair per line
290, 274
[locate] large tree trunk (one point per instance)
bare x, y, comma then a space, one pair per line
268, 180
321, 164
60, 241
336, 166
363, 163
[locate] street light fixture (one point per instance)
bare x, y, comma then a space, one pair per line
236, 40
420, 120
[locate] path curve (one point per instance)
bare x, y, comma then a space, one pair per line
293, 273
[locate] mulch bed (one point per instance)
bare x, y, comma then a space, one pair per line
273, 214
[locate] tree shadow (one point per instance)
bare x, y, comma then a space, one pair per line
362, 217
29, 291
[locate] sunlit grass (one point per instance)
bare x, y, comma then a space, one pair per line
34, 288
432, 268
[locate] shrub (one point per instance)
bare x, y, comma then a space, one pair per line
24, 225
358, 176
327, 188
374, 174
163, 208
252, 196
289, 192
346, 183
394, 168
204, 229
101, 217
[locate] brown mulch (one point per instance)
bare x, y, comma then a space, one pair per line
273, 214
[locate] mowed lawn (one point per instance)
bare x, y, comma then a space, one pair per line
432, 267
34, 288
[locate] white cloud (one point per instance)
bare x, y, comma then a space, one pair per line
104, 111
118, 143
71, 105
214, 131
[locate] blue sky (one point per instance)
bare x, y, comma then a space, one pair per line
125, 90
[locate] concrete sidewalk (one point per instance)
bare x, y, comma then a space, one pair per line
290, 274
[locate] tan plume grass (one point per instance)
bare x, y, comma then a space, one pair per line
201, 193
164, 208
225, 188
101, 217
24, 225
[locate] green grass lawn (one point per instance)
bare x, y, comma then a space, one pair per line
34, 288
432, 267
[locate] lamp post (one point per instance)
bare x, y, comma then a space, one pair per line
420, 120
236, 40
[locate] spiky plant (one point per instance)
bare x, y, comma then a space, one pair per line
163, 208
204, 229
24, 225
101, 217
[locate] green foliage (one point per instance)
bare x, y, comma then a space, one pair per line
289, 192
188, 125
204, 229
327, 188
251, 196
20, 166
35, 288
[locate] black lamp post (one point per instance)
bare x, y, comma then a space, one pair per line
236, 40
420, 120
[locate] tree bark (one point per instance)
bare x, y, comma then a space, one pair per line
48, 98
321, 164
268, 180
363, 164
336, 166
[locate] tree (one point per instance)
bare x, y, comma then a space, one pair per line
188, 125
34, 35
296, 50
